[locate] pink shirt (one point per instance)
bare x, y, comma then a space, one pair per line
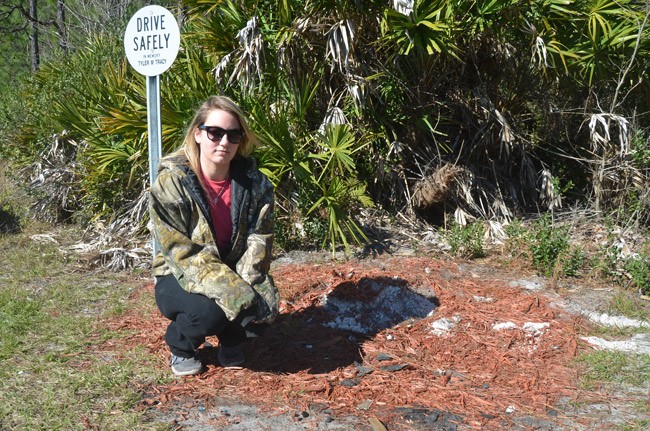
219, 198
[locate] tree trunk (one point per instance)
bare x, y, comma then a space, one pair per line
60, 25
33, 35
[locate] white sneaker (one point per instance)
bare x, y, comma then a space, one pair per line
185, 366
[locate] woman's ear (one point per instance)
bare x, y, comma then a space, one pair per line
197, 134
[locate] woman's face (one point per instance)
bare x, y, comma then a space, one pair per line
217, 153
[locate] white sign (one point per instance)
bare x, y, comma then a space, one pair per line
151, 40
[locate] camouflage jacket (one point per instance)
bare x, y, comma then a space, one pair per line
182, 226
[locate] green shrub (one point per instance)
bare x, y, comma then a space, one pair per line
573, 260
640, 143
398, 96
518, 240
466, 241
298, 232
547, 244
639, 271
9, 220
13, 206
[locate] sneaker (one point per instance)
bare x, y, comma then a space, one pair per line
230, 357
185, 366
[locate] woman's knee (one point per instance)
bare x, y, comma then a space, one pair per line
209, 316
190, 310
169, 296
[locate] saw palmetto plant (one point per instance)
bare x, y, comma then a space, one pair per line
528, 105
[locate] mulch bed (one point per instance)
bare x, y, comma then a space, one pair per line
474, 373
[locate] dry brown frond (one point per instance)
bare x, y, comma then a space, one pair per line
403, 6
53, 178
333, 115
435, 188
247, 57
599, 133
120, 243
549, 195
339, 44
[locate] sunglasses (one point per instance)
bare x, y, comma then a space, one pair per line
216, 134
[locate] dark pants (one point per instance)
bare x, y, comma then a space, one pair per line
193, 317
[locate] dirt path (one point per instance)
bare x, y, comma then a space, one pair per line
401, 343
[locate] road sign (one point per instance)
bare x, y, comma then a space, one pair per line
151, 43
152, 40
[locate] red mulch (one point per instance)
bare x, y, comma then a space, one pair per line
474, 371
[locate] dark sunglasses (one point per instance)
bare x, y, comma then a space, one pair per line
216, 134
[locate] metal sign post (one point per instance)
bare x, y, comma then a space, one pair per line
154, 125
151, 42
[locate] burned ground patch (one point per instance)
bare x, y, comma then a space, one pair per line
406, 340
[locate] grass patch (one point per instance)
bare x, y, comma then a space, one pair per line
627, 304
624, 303
617, 332
637, 425
52, 377
17, 315
605, 366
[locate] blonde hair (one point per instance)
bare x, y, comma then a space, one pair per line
190, 148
